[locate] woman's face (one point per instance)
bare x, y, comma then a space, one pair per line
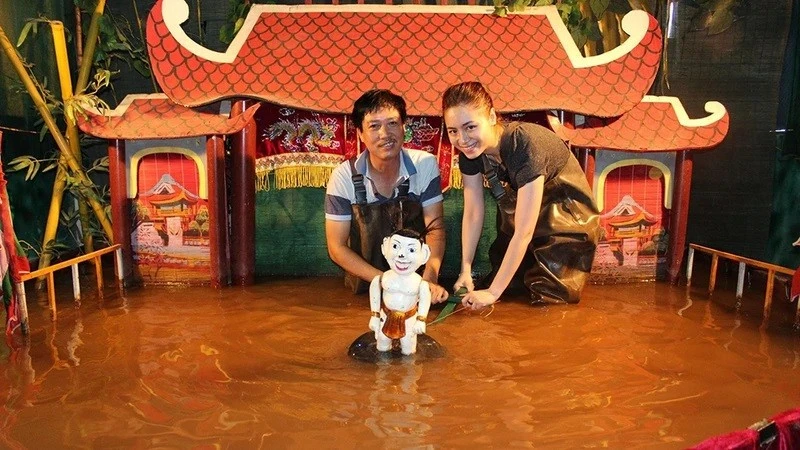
471, 129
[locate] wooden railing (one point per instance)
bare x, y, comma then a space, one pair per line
771, 269
76, 287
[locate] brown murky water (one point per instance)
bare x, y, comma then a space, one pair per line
633, 366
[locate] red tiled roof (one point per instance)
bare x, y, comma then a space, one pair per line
324, 57
154, 116
656, 124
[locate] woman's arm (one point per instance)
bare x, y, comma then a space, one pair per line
529, 203
471, 226
526, 213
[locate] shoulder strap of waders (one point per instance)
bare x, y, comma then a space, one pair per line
358, 183
403, 188
490, 174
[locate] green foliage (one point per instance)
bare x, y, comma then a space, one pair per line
237, 11
716, 16
582, 29
117, 42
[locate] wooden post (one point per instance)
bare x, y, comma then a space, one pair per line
689, 266
217, 211
98, 271
712, 276
740, 280
23, 307
243, 216
76, 283
768, 296
120, 205
588, 164
680, 213
51, 296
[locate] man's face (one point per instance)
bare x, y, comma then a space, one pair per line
382, 133
404, 254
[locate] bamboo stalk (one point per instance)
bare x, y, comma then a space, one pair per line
144, 42
590, 47
51, 227
61, 142
623, 36
608, 28
88, 49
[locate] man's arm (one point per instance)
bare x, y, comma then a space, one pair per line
434, 218
336, 234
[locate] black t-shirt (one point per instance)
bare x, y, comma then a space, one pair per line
528, 151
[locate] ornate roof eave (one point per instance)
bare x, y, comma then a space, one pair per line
323, 57
657, 124
154, 116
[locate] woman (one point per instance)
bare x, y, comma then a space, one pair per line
547, 222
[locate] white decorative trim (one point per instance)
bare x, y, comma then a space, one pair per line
136, 158
600, 181
126, 103
175, 12
715, 109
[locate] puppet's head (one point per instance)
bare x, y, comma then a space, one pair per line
405, 252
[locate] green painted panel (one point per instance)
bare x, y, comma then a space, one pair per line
290, 234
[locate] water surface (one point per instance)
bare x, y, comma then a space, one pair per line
632, 366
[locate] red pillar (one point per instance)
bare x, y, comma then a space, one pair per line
120, 206
243, 212
680, 213
217, 211
588, 165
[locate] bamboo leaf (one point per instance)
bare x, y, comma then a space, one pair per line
592, 31
501, 11
578, 37
543, 2
24, 33
238, 25
32, 170
50, 166
19, 163
720, 21
598, 7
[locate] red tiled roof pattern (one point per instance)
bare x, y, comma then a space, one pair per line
159, 118
649, 127
323, 61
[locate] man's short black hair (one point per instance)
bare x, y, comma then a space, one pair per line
374, 100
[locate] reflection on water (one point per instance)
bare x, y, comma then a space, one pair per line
644, 365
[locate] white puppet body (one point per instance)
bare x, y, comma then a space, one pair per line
400, 295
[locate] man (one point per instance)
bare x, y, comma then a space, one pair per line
384, 189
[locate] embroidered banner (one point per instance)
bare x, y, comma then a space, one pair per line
299, 148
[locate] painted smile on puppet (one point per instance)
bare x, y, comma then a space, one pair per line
402, 254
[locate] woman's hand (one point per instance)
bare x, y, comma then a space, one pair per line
464, 280
477, 300
438, 293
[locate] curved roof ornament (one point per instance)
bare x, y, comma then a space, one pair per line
656, 124
323, 57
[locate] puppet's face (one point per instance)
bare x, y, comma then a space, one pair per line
405, 254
